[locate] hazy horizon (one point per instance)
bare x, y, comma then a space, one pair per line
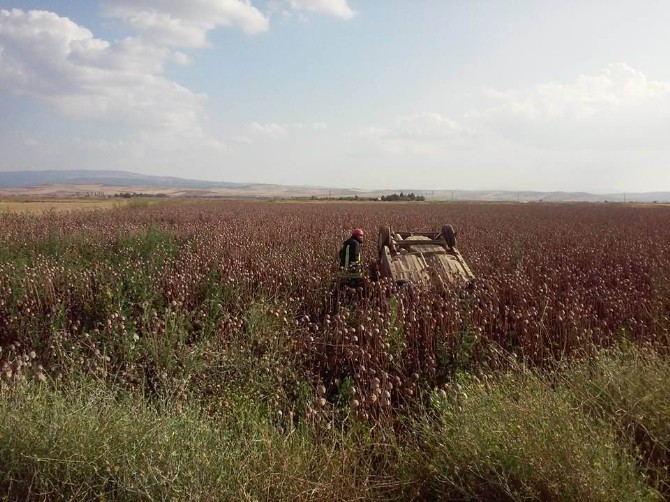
118, 180
549, 96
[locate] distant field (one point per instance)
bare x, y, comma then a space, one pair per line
30, 205
69, 191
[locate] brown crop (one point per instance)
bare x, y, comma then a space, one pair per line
195, 299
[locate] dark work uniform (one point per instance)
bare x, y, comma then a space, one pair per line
351, 271
350, 252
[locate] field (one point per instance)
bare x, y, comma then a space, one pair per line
191, 350
33, 205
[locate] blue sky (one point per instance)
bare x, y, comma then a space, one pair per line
551, 95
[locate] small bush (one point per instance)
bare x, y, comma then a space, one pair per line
629, 389
88, 443
518, 439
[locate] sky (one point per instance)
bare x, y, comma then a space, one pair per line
569, 95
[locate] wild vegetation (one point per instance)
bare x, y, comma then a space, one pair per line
55, 204
192, 350
402, 197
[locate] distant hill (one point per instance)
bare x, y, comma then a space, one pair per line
67, 183
530, 196
22, 179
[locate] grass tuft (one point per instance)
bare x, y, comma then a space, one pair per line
519, 438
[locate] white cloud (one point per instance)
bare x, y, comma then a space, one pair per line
243, 140
428, 126
618, 107
180, 58
185, 24
616, 86
418, 134
53, 59
271, 130
300, 9
279, 131
337, 8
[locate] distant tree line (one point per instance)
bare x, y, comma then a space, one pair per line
129, 195
89, 194
344, 198
403, 197
355, 197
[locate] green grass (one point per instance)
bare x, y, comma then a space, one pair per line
519, 439
87, 442
521, 435
629, 389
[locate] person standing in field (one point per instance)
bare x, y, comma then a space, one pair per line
351, 267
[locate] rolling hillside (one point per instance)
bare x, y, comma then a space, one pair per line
70, 183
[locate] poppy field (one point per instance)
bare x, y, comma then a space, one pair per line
212, 308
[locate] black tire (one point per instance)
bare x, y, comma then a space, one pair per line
449, 235
384, 238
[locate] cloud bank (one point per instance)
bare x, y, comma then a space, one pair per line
423, 133
57, 61
279, 131
336, 8
618, 107
52, 58
186, 24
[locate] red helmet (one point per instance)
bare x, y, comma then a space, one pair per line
358, 232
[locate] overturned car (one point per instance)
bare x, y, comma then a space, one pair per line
422, 258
